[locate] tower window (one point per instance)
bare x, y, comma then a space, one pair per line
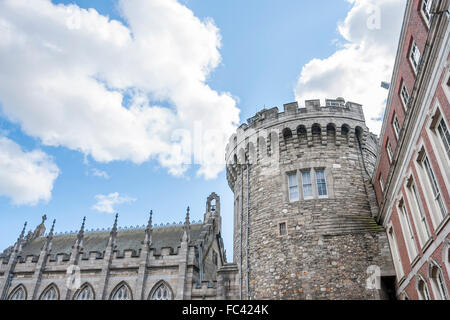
282, 228
307, 185
293, 187
321, 183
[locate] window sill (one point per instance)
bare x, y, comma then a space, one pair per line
415, 260
427, 244
442, 224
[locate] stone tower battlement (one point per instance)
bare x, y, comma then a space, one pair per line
337, 122
304, 205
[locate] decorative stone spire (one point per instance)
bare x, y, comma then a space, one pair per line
52, 229
81, 232
186, 233
23, 232
186, 222
113, 233
114, 228
40, 229
148, 230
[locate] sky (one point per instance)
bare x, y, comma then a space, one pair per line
126, 106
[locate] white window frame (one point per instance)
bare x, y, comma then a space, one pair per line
414, 53
438, 284
389, 151
396, 126
421, 294
407, 230
418, 213
380, 179
293, 186
317, 182
398, 266
310, 183
404, 92
445, 81
425, 10
433, 185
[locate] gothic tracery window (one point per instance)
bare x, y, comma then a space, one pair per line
121, 293
161, 293
50, 294
18, 294
85, 293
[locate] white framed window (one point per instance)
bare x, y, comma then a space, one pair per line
414, 56
321, 183
404, 95
293, 187
444, 136
418, 214
381, 182
425, 8
396, 126
307, 185
407, 231
390, 153
438, 283
395, 254
434, 186
422, 289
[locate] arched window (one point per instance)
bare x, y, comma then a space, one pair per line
162, 292
287, 133
331, 134
85, 293
316, 132
423, 290
51, 293
122, 292
302, 135
359, 134
19, 293
438, 283
345, 133
262, 148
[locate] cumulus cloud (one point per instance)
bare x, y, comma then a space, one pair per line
107, 203
115, 91
366, 58
25, 177
100, 173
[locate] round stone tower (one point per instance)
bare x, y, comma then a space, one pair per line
304, 204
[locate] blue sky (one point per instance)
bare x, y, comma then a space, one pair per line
270, 51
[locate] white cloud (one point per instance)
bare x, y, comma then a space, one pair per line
107, 203
74, 78
356, 70
25, 177
100, 173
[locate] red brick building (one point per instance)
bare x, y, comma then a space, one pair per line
412, 174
